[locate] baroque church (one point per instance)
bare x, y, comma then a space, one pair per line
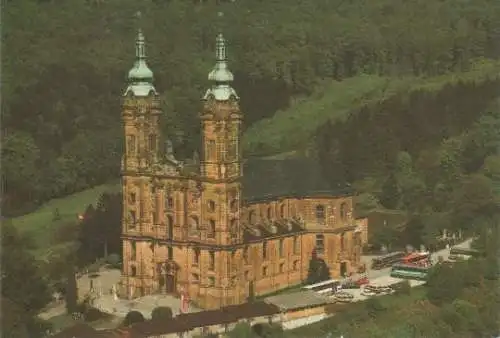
200, 227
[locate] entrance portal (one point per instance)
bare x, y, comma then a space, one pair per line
170, 283
167, 278
343, 269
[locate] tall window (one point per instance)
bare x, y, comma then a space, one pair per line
154, 217
245, 255
282, 211
211, 260
211, 206
211, 228
196, 256
170, 253
252, 217
133, 251
133, 271
221, 154
343, 211
264, 250
342, 241
281, 249
152, 142
170, 227
210, 150
169, 203
132, 217
320, 243
131, 198
269, 212
296, 247
131, 144
320, 214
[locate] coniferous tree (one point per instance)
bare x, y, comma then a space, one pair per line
390, 194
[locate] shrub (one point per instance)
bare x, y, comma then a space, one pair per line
161, 313
133, 317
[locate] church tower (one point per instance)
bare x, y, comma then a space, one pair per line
221, 163
140, 118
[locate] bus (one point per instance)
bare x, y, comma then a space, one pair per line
465, 252
417, 258
387, 260
406, 271
325, 285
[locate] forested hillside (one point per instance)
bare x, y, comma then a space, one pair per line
64, 66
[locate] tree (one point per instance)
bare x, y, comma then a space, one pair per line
241, 330
161, 313
390, 194
444, 283
22, 280
318, 270
133, 317
25, 290
71, 293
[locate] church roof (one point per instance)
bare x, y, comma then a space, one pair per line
265, 179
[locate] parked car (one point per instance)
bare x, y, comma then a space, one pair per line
344, 297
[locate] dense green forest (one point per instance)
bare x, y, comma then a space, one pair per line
64, 69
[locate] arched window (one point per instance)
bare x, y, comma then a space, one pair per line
211, 228
193, 224
264, 250
211, 206
282, 210
234, 228
252, 217
196, 256
269, 212
343, 211
342, 241
320, 214
233, 206
133, 271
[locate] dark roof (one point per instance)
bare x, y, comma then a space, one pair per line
264, 230
269, 179
189, 321
79, 330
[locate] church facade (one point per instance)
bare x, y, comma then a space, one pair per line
188, 227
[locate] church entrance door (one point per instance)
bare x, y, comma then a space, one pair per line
170, 283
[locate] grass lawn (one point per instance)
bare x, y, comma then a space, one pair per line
40, 224
294, 127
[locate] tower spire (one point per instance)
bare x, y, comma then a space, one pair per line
140, 76
220, 75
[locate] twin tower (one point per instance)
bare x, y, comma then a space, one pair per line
180, 217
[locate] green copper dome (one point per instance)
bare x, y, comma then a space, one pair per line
220, 75
140, 72
140, 76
